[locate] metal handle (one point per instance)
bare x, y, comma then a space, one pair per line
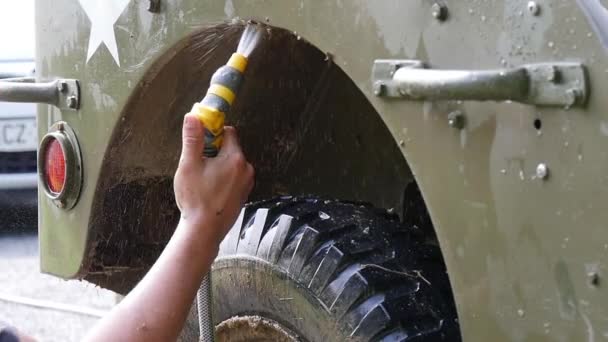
543, 84
64, 93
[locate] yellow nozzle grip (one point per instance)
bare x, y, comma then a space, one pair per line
217, 142
237, 61
211, 118
224, 92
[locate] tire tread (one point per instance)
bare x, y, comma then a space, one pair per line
364, 266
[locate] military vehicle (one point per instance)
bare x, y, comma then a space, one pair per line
425, 170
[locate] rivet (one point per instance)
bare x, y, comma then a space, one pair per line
379, 88
60, 126
542, 171
439, 11
62, 86
72, 102
594, 278
533, 8
456, 119
401, 143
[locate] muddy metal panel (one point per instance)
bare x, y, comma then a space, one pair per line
526, 254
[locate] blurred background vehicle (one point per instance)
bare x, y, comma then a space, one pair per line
30, 301
18, 137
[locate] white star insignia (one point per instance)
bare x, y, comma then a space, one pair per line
103, 14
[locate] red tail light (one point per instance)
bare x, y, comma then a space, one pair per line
54, 166
59, 165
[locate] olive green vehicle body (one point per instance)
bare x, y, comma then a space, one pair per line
526, 256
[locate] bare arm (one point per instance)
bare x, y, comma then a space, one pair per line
209, 193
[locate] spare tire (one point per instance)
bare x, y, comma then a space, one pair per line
319, 270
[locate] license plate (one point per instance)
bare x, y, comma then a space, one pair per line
18, 135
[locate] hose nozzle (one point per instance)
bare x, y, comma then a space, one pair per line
211, 111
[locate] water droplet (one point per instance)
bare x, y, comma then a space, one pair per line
580, 157
366, 230
503, 171
521, 175
574, 47
483, 18
520, 313
551, 44
323, 216
471, 11
571, 31
503, 62
589, 34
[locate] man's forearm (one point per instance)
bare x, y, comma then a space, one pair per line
144, 315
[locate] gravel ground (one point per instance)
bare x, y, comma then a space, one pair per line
20, 276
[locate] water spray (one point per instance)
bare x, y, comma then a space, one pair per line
211, 111
225, 83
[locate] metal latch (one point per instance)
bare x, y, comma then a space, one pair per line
62, 93
541, 84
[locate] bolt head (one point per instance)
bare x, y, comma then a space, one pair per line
379, 88
154, 6
439, 11
594, 278
533, 8
456, 119
62, 86
542, 171
72, 102
553, 74
572, 96
60, 126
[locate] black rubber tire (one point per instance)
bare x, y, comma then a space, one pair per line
334, 271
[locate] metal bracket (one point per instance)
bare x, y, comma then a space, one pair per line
542, 84
63, 93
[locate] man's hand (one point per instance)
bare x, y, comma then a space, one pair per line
210, 191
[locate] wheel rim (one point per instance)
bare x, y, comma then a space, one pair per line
252, 329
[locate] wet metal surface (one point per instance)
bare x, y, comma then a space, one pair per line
598, 16
518, 250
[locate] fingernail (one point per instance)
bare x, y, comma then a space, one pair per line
189, 120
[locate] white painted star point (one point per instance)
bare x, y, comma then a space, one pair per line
103, 14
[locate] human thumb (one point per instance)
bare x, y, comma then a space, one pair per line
193, 139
